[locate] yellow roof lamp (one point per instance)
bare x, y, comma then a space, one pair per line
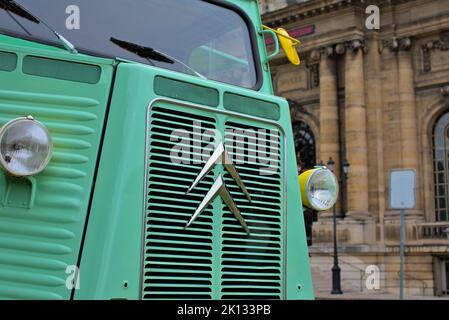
319, 188
287, 42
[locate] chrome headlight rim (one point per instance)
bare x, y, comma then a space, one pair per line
309, 193
4, 165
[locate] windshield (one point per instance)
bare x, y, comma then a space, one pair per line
211, 39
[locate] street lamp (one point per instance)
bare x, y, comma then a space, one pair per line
330, 164
336, 279
346, 168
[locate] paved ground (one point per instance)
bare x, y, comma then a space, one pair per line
375, 296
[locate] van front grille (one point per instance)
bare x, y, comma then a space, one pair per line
213, 258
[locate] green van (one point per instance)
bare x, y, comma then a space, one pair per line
144, 155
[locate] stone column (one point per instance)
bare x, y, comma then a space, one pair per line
329, 129
409, 126
329, 126
355, 132
375, 114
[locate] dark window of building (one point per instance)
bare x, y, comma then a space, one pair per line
304, 145
441, 168
306, 158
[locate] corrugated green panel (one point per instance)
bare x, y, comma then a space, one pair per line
62, 70
251, 106
8, 61
186, 91
38, 241
42, 219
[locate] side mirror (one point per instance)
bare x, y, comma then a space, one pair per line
287, 42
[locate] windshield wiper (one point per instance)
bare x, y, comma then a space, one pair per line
14, 7
152, 54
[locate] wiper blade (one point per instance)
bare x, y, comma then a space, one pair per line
142, 51
152, 54
14, 7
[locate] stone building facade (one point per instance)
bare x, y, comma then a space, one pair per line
380, 99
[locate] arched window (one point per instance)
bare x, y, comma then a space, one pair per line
304, 145
306, 157
441, 167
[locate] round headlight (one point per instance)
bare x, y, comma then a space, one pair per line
319, 189
25, 147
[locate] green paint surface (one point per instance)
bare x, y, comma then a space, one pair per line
250, 106
186, 91
62, 70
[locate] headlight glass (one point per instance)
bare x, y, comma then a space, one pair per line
320, 190
25, 147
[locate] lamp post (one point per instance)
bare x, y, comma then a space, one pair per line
336, 279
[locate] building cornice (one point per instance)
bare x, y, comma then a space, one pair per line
306, 10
